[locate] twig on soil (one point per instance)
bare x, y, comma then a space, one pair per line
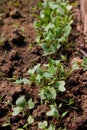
83, 52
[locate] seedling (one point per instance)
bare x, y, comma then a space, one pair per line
22, 81
21, 105
48, 73
70, 103
30, 120
50, 77
53, 25
55, 112
48, 92
84, 65
44, 126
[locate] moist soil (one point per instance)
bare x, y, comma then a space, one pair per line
20, 52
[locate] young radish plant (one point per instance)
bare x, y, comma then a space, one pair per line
51, 77
54, 112
84, 64
44, 126
54, 25
24, 107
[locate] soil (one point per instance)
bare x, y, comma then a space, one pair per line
20, 52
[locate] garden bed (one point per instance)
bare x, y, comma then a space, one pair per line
19, 53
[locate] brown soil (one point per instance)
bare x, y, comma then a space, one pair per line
19, 53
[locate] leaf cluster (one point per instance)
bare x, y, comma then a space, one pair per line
21, 105
84, 65
53, 25
50, 77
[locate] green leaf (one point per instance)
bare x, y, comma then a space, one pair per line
37, 24
71, 101
47, 75
63, 58
39, 4
25, 126
37, 40
75, 66
68, 7
42, 125
54, 25
52, 91
31, 104
22, 81
58, 46
45, 48
60, 105
21, 101
54, 112
49, 26
53, 5
18, 81
53, 48
84, 64
67, 30
47, 92
16, 111
32, 71
30, 120
20, 129
25, 81
64, 114
85, 60
39, 77
42, 94
51, 127
42, 15
61, 86
5, 124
